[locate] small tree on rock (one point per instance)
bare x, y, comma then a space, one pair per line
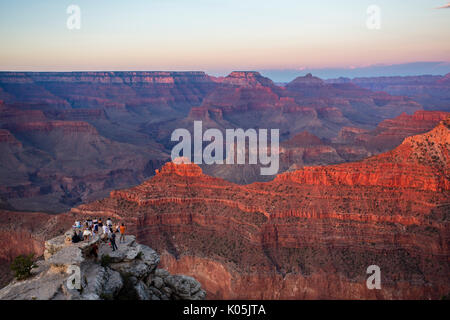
22, 266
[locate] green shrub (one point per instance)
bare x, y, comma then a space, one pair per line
22, 266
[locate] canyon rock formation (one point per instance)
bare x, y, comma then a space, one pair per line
308, 234
130, 272
363, 178
71, 137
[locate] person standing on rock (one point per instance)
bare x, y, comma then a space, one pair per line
112, 240
80, 235
77, 224
87, 234
122, 233
105, 229
95, 229
109, 223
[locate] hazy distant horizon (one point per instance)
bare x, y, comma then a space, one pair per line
400, 70
440, 68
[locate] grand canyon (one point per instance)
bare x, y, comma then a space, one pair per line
69, 138
363, 180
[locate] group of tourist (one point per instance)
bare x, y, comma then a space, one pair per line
96, 227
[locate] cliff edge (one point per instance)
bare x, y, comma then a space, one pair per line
72, 272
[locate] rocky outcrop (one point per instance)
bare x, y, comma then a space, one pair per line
205, 114
181, 169
72, 272
247, 79
307, 81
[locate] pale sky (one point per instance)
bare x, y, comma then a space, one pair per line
219, 35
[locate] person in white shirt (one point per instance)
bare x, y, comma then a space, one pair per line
87, 234
105, 229
109, 222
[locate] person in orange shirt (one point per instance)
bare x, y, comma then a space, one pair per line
122, 233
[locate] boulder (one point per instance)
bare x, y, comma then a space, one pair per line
157, 282
135, 268
162, 273
148, 256
54, 245
65, 257
184, 287
156, 292
112, 283
102, 282
142, 291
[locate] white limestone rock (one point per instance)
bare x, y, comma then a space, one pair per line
132, 261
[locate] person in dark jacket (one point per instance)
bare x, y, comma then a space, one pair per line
80, 235
112, 240
75, 238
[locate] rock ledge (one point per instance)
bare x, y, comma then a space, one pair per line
71, 272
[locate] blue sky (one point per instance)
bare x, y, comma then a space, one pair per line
220, 36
